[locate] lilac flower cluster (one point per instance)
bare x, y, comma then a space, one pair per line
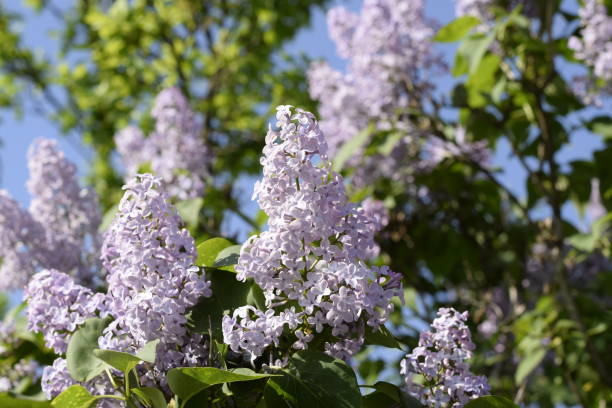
388, 46
152, 280
440, 362
480, 9
11, 377
56, 378
20, 236
483, 9
594, 46
57, 306
175, 150
59, 231
309, 262
595, 208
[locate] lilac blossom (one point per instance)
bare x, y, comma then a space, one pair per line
389, 46
152, 282
312, 253
68, 212
57, 306
594, 46
440, 362
56, 378
59, 231
20, 237
152, 279
484, 9
595, 208
175, 150
23, 370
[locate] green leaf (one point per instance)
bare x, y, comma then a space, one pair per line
82, 364
149, 352
351, 147
8, 401
381, 337
390, 142
209, 249
186, 382
602, 125
121, 361
456, 29
528, 364
387, 395
75, 396
312, 379
491, 401
227, 258
470, 53
151, 396
189, 210
228, 294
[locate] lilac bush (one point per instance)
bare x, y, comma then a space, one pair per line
313, 252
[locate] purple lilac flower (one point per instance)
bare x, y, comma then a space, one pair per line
57, 306
388, 46
20, 237
12, 376
483, 9
480, 9
440, 361
311, 253
594, 46
56, 378
152, 280
69, 213
60, 229
175, 150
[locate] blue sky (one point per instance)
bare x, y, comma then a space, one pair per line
17, 135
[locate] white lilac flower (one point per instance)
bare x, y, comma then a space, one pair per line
312, 253
175, 150
595, 208
152, 279
594, 46
440, 362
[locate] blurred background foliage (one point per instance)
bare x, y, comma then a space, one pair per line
518, 264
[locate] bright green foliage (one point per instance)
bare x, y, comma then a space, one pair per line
224, 55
